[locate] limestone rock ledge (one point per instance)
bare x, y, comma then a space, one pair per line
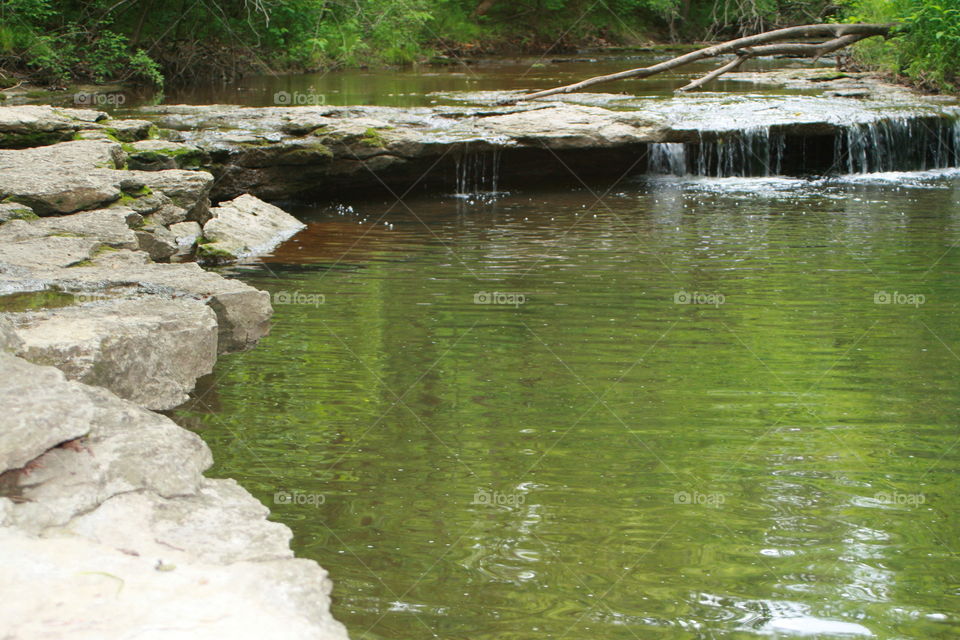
116, 533
108, 527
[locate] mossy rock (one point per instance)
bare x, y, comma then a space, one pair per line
16, 211
306, 154
373, 138
35, 300
34, 139
157, 155
129, 195
208, 252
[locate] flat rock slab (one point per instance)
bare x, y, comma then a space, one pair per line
69, 588
156, 155
86, 174
62, 178
220, 524
109, 227
33, 125
243, 312
149, 351
246, 226
124, 447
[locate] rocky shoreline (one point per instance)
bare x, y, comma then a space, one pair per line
108, 527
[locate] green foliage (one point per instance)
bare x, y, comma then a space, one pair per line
59, 45
927, 46
182, 40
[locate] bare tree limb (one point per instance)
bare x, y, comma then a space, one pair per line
811, 50
815, 51
716, 73
837, 31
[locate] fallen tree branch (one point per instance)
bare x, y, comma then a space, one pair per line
716, 73
815, 51
839, 32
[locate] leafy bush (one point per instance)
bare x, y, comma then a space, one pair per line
926, 48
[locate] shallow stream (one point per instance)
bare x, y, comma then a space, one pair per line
667, 408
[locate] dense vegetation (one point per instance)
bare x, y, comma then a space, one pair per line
927, 50
150, 41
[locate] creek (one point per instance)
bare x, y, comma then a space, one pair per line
702, 400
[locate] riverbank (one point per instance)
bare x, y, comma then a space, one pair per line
108, 524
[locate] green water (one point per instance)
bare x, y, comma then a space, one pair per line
427, 85
784, 458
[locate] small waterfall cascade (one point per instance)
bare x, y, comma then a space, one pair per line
750, 152
477, 172
898, 144
668, 158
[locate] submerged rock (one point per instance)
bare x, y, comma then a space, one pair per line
244, 227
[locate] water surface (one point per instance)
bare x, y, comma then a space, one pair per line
706, 409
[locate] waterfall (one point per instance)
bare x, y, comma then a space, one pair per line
898, 144
750, 152
667, 158
477, 172
754, 151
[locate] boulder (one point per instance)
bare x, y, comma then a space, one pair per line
41, 409
169, 214
188, 190
157, 241
149, 351
124, 449
244, 227
62, 178
186, 235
